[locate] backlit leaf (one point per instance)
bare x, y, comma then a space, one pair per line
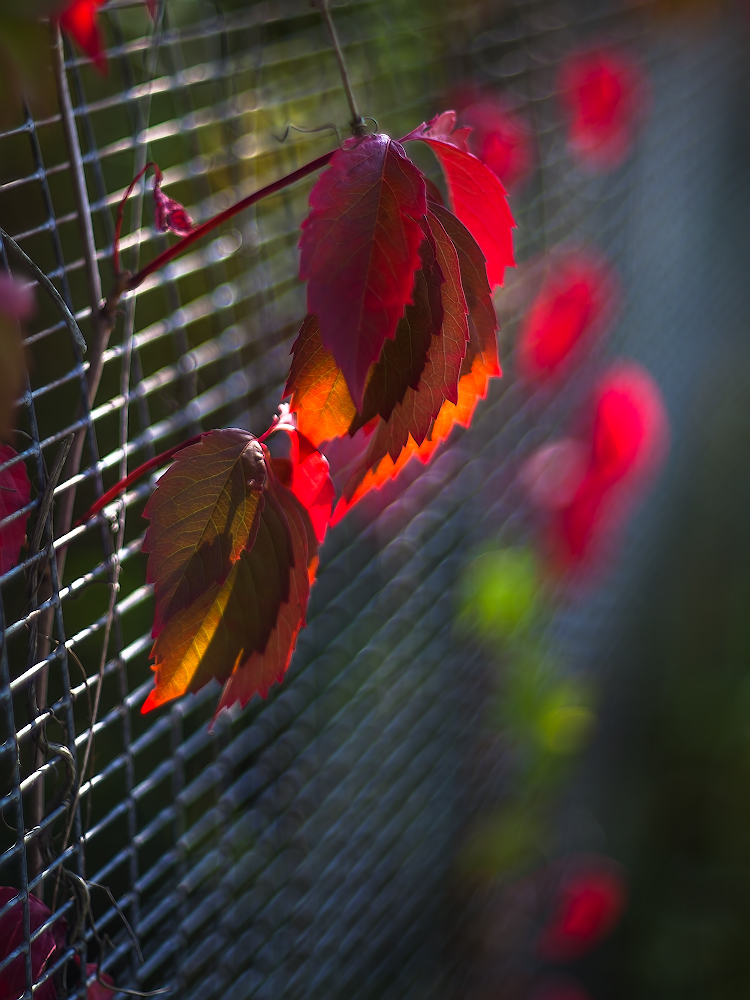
317, 387
403, 359
477, 196
482, 316
15, 493
439, 382
233, 555
203, 514
471, 388
359, 251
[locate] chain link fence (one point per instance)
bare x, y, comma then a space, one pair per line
306, 847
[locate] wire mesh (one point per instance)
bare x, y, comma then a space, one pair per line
303, 848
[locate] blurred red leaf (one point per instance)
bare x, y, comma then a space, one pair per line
169, 215
603, 92
477, 197
13, 976
627, 444
79, 20
588, 903
97, 990
573, 306
233, 553
15, 493
359, 251
500, 140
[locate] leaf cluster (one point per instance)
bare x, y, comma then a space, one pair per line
399, 342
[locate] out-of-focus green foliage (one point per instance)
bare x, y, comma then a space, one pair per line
542, 710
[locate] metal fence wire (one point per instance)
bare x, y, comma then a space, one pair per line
303, 849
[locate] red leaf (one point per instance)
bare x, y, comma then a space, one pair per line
13, 976
403, 359
203, 515
269, 664
169, 215
439, 381
478, 198
317, 387
98, 990
626, 445
500, 140
603, 92
310, 481
359, 251
588, 903
233, 553
15, 493
472, 387
573, 306
79, 21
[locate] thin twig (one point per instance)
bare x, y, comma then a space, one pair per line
47, 285
357, 123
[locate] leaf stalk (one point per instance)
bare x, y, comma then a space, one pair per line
357, 123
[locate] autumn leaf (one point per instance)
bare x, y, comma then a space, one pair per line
500, 139
15, 493
461, 359
603, 93
232, 555
587, 487
43, 947
203, 514
439, 381
310, 482
589, 901
78, 19
360, 249
402, 363
317, 388
573, 306
477, 197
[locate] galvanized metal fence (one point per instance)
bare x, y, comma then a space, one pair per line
303, 849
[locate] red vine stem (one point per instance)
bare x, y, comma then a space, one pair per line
179, 248
121, 213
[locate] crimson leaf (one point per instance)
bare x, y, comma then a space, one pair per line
478, 198
359, 251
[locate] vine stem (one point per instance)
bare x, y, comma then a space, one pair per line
357, 123
133, 281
